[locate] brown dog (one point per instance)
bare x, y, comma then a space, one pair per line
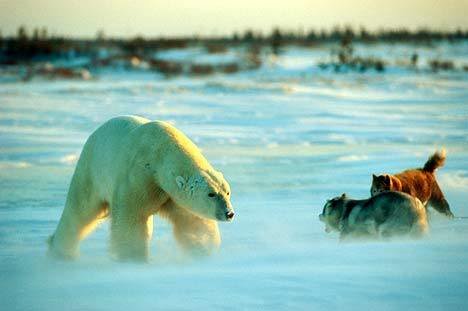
420, 183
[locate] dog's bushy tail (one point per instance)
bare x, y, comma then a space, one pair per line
435, 161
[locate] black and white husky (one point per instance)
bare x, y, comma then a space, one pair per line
385, 215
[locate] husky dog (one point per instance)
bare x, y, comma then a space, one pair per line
385, 215
420, 183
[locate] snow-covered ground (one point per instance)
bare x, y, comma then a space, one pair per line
287, 137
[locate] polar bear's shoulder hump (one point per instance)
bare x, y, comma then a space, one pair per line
130, 119
167, 129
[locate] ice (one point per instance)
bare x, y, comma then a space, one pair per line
287, 137
201, 57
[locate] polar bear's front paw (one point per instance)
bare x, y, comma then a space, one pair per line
61, 253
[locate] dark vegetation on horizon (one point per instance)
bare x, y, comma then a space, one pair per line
36, 47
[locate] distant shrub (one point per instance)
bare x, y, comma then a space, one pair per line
276, 41
51, 72
229, 68
201, 69
216, 48
344, 59
414, 59
437, 65
252, 57
166, 67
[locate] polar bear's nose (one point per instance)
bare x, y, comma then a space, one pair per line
229, 215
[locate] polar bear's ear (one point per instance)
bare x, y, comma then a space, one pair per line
180, 182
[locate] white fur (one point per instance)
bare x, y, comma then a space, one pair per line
131, 168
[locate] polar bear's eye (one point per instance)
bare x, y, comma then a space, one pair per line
211, 194
227, 193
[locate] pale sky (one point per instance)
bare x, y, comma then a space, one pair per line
127, 18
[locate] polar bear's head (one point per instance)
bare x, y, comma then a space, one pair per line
205, 193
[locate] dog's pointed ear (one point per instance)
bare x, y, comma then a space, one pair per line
343, 195
374, 177
180, 182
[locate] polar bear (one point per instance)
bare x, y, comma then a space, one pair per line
129, 170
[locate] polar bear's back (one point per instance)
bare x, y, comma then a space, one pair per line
109, 138
116, 143
102, 151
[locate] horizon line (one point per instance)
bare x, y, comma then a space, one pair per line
257, 32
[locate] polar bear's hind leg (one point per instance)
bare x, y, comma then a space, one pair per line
82, 213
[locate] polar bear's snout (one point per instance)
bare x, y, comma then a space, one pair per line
225, 212
226, 216
229, 215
